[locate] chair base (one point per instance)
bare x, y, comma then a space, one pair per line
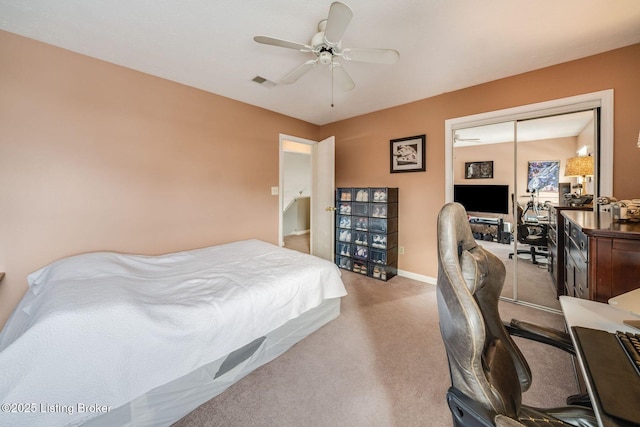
531, 252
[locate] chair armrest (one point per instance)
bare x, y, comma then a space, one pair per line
543, 334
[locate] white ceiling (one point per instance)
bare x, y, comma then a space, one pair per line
444, 45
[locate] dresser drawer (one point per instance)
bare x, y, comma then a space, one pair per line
551, 232
580, 240
569, 274
580, 279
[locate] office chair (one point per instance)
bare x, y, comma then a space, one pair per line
488, 371
530, 234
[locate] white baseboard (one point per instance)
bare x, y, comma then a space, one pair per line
418, 277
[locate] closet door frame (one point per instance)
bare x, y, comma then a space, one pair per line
604, 154
597, 101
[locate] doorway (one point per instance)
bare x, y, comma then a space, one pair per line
296, 196
505, 135
306, 195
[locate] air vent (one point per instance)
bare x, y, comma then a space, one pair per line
262, 81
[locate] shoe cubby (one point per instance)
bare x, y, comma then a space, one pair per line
383, 225
360, 267
383, 195
367, 231
383, 210
344, 235
382, 272
386, 257
360, 209
361, 252
344, 249
344, 221
344, 195
361, 238
383, 241
360, 223
361, 194
344, 262
344, 208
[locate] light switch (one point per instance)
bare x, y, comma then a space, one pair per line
274, 191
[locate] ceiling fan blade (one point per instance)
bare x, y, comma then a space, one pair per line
377, 56
341, 77
457, 137
339, 17
282, 43
294, 75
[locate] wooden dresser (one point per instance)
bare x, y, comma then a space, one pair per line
602, 258
555, 243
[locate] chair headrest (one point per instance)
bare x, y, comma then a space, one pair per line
474, 267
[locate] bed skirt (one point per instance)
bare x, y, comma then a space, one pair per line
168, 403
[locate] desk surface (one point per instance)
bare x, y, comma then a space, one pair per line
600, 224
595, 315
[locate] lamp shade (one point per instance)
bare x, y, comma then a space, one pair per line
579, 166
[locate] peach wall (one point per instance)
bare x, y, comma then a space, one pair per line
362, 143
98, 157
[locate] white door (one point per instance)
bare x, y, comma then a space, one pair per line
323, 198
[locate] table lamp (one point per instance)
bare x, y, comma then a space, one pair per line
581, 167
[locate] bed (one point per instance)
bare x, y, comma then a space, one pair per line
113, 339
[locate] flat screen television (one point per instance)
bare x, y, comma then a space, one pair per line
483, 198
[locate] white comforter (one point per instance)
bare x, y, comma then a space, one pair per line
97, 330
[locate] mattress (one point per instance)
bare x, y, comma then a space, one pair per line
167, 404
99, 331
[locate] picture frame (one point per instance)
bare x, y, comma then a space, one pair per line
478, 170
543, 175
408, 154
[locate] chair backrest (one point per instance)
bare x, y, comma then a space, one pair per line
522, 228
484, 362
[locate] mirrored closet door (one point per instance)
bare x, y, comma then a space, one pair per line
507, 175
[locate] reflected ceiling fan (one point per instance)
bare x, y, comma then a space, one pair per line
457, 138
326, 46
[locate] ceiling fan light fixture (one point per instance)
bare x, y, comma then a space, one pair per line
325, 57
327, 44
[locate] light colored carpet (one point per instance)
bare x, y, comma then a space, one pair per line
380, 363
535, 284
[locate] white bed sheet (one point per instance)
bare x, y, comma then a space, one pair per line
97, 330
170, 402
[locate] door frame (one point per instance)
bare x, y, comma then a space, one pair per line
299, 140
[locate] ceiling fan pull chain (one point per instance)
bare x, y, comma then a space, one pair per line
332, 83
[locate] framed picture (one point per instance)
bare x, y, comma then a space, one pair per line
408, 154
542, 175
478, 170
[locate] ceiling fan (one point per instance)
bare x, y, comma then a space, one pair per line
457, 138
326, 46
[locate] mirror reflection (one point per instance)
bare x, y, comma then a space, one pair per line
512, 177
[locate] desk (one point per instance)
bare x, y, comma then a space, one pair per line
501, 235
595, 315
